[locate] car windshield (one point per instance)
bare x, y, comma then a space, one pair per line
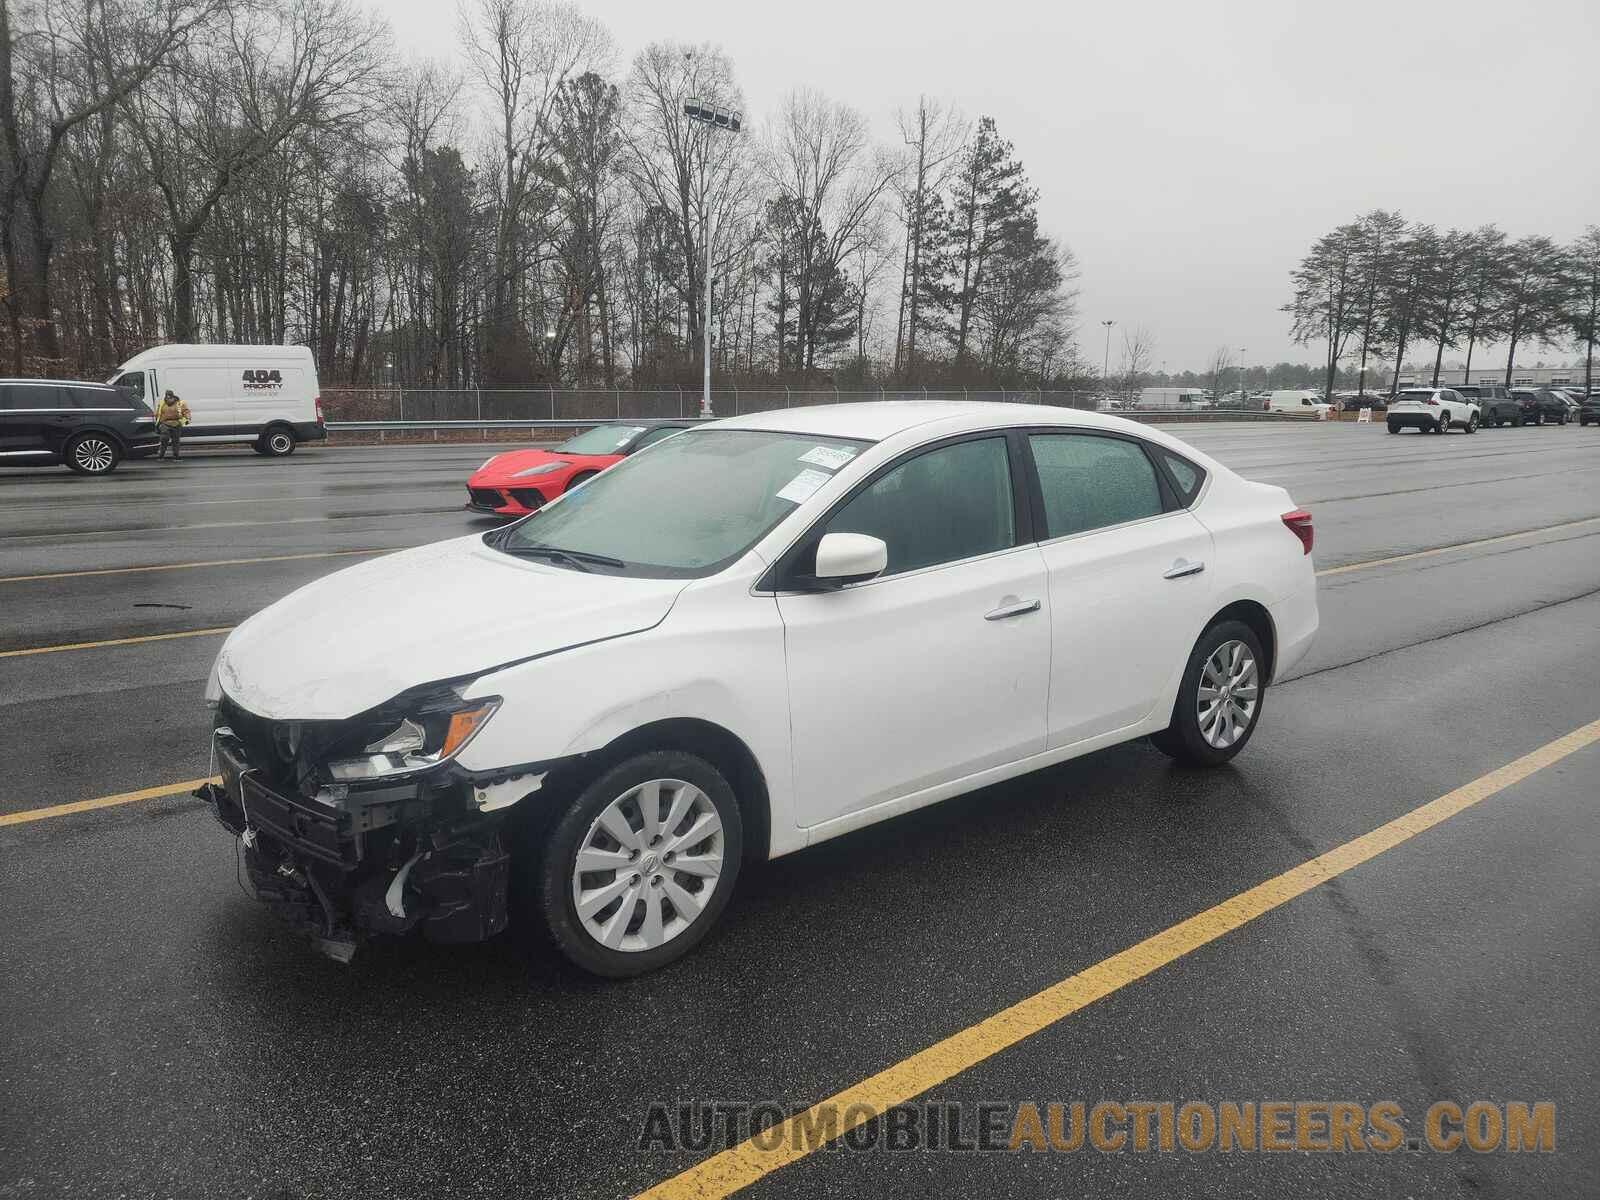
691, 506
603, 439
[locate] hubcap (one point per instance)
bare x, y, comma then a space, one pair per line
1229, 692
93, 455
648, 866
280, 443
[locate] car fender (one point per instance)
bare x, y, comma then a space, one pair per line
718, 657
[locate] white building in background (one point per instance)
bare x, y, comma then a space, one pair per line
1520, 376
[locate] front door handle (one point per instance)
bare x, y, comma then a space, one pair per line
1182, 568
1011, 607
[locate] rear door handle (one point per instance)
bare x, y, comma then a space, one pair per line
1181, 568
1015, 608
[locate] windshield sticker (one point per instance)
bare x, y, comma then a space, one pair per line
831, 457
799, 489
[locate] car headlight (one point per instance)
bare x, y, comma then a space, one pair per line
214, 682
420, 740
541, 469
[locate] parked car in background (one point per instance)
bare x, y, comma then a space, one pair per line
1299, 401
1589, 410
267, 396
1356, 401
519, 482
1432, 410
762, 633
1496, 405
1172, 398
89, 427
1541, 406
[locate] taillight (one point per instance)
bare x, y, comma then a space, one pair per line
1298, 523
1432, 402
318, 402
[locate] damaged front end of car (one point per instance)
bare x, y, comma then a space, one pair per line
365, 827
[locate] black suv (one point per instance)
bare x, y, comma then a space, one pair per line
1541, 406
90, 427
1498, 405
1589, 410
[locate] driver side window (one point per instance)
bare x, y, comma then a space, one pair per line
942, 506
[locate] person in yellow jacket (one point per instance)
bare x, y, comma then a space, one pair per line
172, 414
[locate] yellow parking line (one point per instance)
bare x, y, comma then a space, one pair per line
738, 1167
189, 566
78, 806
127, 641
1488, 541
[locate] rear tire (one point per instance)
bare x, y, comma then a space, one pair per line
1443, 424
650, 912
1393, 428
1472, 423
92, 454
277, 442
1202, 704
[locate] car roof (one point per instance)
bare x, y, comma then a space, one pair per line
875, 420
88, 383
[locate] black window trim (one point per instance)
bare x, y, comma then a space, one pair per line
781, 579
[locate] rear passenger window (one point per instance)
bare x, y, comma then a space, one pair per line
1091, 482
1185, 474
942, 506
38, 395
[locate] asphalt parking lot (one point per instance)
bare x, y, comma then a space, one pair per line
161, 1035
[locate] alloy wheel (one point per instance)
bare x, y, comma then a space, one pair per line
1229, 693
94, 455
648, 866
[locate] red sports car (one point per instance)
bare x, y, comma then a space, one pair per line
519, 482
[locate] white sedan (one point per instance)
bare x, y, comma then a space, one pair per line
749, 638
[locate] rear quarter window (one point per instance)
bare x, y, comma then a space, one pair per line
1187, 477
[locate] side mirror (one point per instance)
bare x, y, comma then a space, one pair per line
850, 558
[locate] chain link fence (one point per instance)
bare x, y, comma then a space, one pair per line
533, 404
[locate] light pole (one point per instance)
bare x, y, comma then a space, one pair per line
1241, 378
712, 117
1105, 363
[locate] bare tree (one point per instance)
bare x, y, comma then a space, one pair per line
226, 103
521, 54
1138, 352
75, 63
821, 158
1222, 361
934, 136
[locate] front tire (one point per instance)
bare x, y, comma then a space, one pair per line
1472, 423
1393, 428
1219, 698
636, 872
1443, 425
92, 454
579, 480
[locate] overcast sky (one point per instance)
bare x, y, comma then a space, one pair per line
1189, 152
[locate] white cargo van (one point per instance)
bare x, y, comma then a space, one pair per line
1300, 401
265, 395
1171, 397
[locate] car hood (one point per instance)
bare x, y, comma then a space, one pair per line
358, 637
502, 467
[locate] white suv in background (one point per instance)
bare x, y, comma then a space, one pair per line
1432, 410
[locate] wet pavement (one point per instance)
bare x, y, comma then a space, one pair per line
161, 1035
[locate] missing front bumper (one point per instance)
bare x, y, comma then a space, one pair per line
385, 861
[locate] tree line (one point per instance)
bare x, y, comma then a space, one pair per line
1380, 285
233, 171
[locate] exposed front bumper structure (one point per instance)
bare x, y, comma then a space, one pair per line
350, 862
